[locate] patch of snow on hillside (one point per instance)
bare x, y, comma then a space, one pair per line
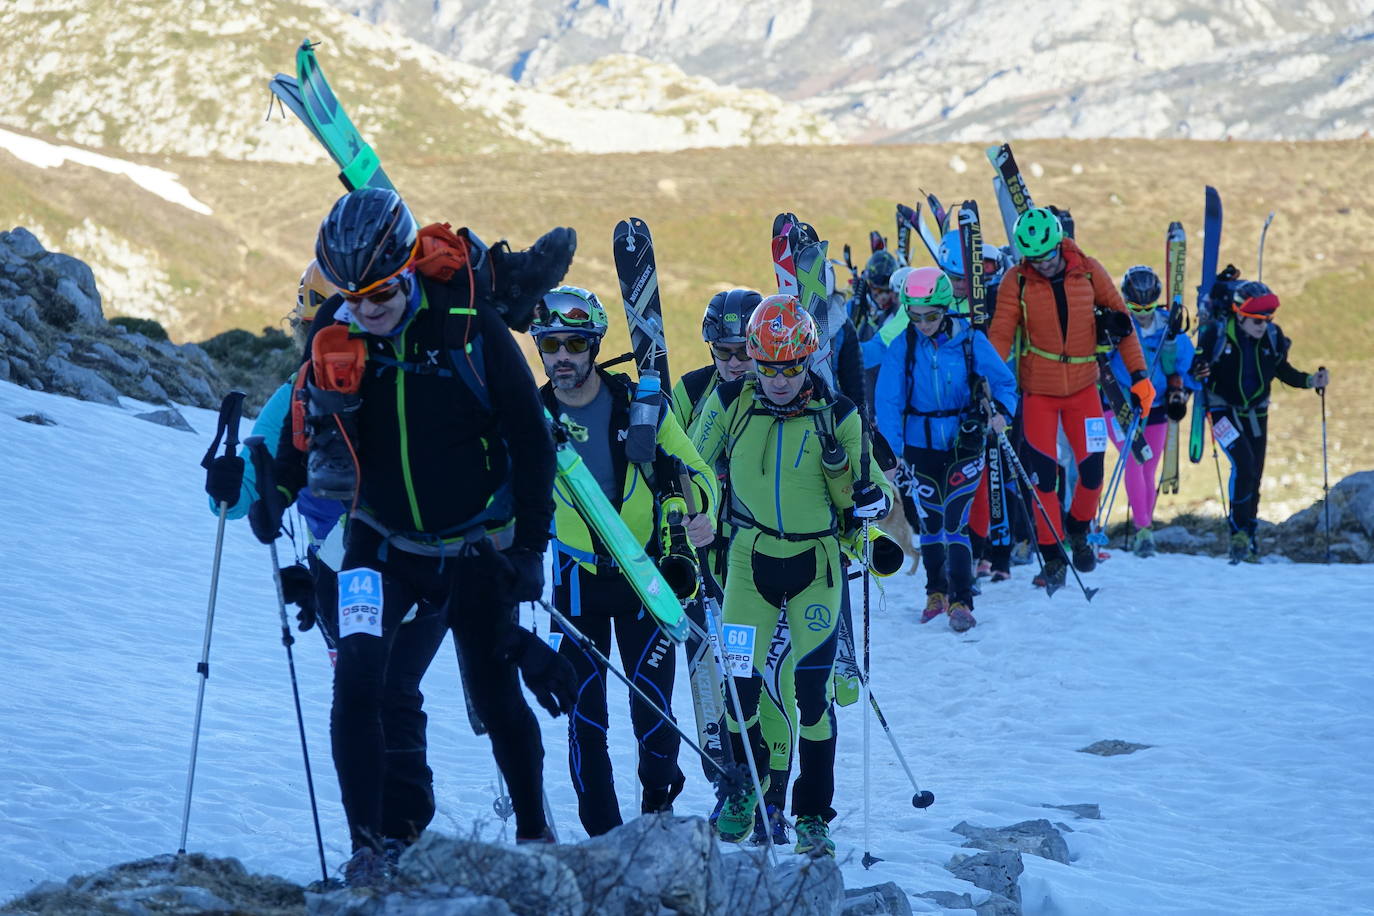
46, 155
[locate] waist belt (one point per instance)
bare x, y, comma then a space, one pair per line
599, 560
1028, 347
450, 543
742, 522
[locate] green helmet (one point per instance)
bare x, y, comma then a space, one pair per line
926, 287
1038, 233
569, 309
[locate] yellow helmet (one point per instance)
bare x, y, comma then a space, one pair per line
314, 289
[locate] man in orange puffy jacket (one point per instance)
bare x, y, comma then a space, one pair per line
1046, 308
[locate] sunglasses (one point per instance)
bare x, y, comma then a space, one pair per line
551, 345
380, 294
925, 317
725, 354
1048, 256
771, 370
1263, 318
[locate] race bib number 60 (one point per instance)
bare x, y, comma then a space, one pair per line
360, 602
739, 649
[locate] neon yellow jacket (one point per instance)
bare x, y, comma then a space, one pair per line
777, 481
638, 503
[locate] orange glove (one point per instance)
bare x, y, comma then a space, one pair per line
1143, 394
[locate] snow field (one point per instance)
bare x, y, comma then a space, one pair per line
1252, 684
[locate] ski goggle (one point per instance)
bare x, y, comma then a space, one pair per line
787, 370
725, 354
565, 309
375, 293
924, 317
576, 344
1143, 309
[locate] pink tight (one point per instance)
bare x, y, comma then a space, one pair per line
1140, 479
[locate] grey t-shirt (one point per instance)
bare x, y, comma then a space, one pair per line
595, 417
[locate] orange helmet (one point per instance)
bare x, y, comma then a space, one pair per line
312, 292
781, 331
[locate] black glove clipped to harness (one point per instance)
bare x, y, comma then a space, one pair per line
298, 588
548, 675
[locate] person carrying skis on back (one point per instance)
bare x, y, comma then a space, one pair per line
409, 782
796, 475
1238, 358
588, 585
990, 559
1051, 299
1169, 355
448, 478
722, 328
931, 403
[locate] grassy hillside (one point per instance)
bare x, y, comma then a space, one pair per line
711, 211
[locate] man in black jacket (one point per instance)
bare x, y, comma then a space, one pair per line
1239, 356
421, 413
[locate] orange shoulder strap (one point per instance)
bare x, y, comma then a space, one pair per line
442, 253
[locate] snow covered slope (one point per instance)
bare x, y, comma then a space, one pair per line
961, 69
1252, 684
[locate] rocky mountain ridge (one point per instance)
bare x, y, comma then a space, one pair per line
907, 70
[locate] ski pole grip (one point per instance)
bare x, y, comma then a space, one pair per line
230, 412
1322, 390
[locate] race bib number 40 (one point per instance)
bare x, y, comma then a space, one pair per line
360, 602
1095, 432
739, 649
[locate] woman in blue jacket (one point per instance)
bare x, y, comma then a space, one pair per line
1168, 357
933, 406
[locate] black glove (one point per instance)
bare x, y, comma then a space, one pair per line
870, 502
264, 515
298, 588
524, 574
224, 479
523, 277
548, 675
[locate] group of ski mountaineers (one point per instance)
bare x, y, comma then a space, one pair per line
416, 428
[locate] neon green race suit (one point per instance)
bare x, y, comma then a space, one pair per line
785, 555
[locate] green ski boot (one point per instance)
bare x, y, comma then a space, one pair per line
813, 836
736, 820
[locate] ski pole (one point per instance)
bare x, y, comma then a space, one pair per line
923, 798
1025, 480
581, 638
1259, 270
262, 470
230, 410
1326, 481
865, 459
1105, 506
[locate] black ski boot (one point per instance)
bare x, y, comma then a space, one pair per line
1084, 554
331, 470
1051, 578
660, 800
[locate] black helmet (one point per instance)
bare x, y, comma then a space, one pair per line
727, 314
368, 236
878, 270
1140, 285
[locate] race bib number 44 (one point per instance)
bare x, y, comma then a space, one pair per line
739, 649
360, 602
